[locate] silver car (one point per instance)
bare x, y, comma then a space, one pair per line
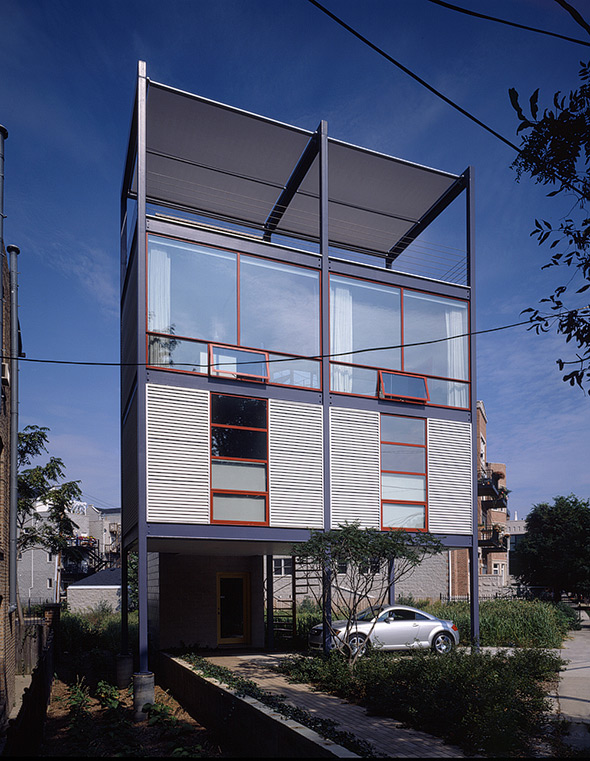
390, 627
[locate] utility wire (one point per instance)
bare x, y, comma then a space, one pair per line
452, 7
418, 79
291, 358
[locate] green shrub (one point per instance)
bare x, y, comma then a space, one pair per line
95, 629
485, 703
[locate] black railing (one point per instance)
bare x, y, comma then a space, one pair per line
492, 538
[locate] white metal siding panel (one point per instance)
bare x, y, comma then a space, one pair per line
177, 455
450, 474
355, 467
296, 484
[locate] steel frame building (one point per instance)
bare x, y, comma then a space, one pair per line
278, 317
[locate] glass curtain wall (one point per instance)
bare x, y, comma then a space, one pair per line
199, 295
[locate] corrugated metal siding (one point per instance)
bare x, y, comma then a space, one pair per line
355, 462
450, 495
129, 470
296, 464
177, 455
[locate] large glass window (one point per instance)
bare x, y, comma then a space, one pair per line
279, 307
239, 459
403, 472
192, 291
432, 318
425, 358
243, 302
364, 316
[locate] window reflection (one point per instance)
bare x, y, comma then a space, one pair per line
279, 307
363, 316
430, 318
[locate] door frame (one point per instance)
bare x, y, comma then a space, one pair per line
246, 638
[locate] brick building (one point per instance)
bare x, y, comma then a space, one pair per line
8, 614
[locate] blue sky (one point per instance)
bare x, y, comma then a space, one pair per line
68, 71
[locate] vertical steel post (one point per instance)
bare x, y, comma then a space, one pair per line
144, 681
473, 565
391, 572
325, 345
270, 585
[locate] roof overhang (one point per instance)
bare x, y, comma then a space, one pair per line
221, 162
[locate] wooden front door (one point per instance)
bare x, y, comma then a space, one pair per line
233, 608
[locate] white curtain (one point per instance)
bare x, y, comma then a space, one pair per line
456, 354
159, 303
341, 337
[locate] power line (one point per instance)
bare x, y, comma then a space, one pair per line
452, 7
312, 357
410, 73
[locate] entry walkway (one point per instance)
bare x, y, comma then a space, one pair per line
572, 698
387, 736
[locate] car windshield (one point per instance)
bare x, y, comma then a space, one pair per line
370, 612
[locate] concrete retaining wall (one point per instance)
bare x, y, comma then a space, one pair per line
243, 722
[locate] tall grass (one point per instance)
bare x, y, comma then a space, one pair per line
509, 623
502, 623
87, 644
99, 628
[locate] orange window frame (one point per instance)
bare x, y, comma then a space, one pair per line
423, 504
239, 492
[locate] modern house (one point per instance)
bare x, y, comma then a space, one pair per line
297, 352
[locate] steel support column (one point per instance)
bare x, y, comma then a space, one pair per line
473, 565
270, 586
142, 569
325, 344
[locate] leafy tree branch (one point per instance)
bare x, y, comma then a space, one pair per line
43, 484
555, 151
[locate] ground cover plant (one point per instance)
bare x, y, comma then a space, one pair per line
246, 687
89, 717
487, 703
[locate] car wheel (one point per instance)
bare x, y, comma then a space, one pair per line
357, 644
442, 643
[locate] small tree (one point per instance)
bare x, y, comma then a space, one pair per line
358, 562
555, 550
43, 484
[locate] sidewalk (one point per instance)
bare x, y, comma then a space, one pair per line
388, 738
572, 698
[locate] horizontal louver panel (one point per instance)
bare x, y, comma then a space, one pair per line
355, 467
177, 455
450, 477
296, 464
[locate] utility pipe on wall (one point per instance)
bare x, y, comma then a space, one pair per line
13, 251
3, 136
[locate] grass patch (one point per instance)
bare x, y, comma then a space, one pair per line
510, 623
484, 703
502, 623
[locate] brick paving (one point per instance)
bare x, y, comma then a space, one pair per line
387, 736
